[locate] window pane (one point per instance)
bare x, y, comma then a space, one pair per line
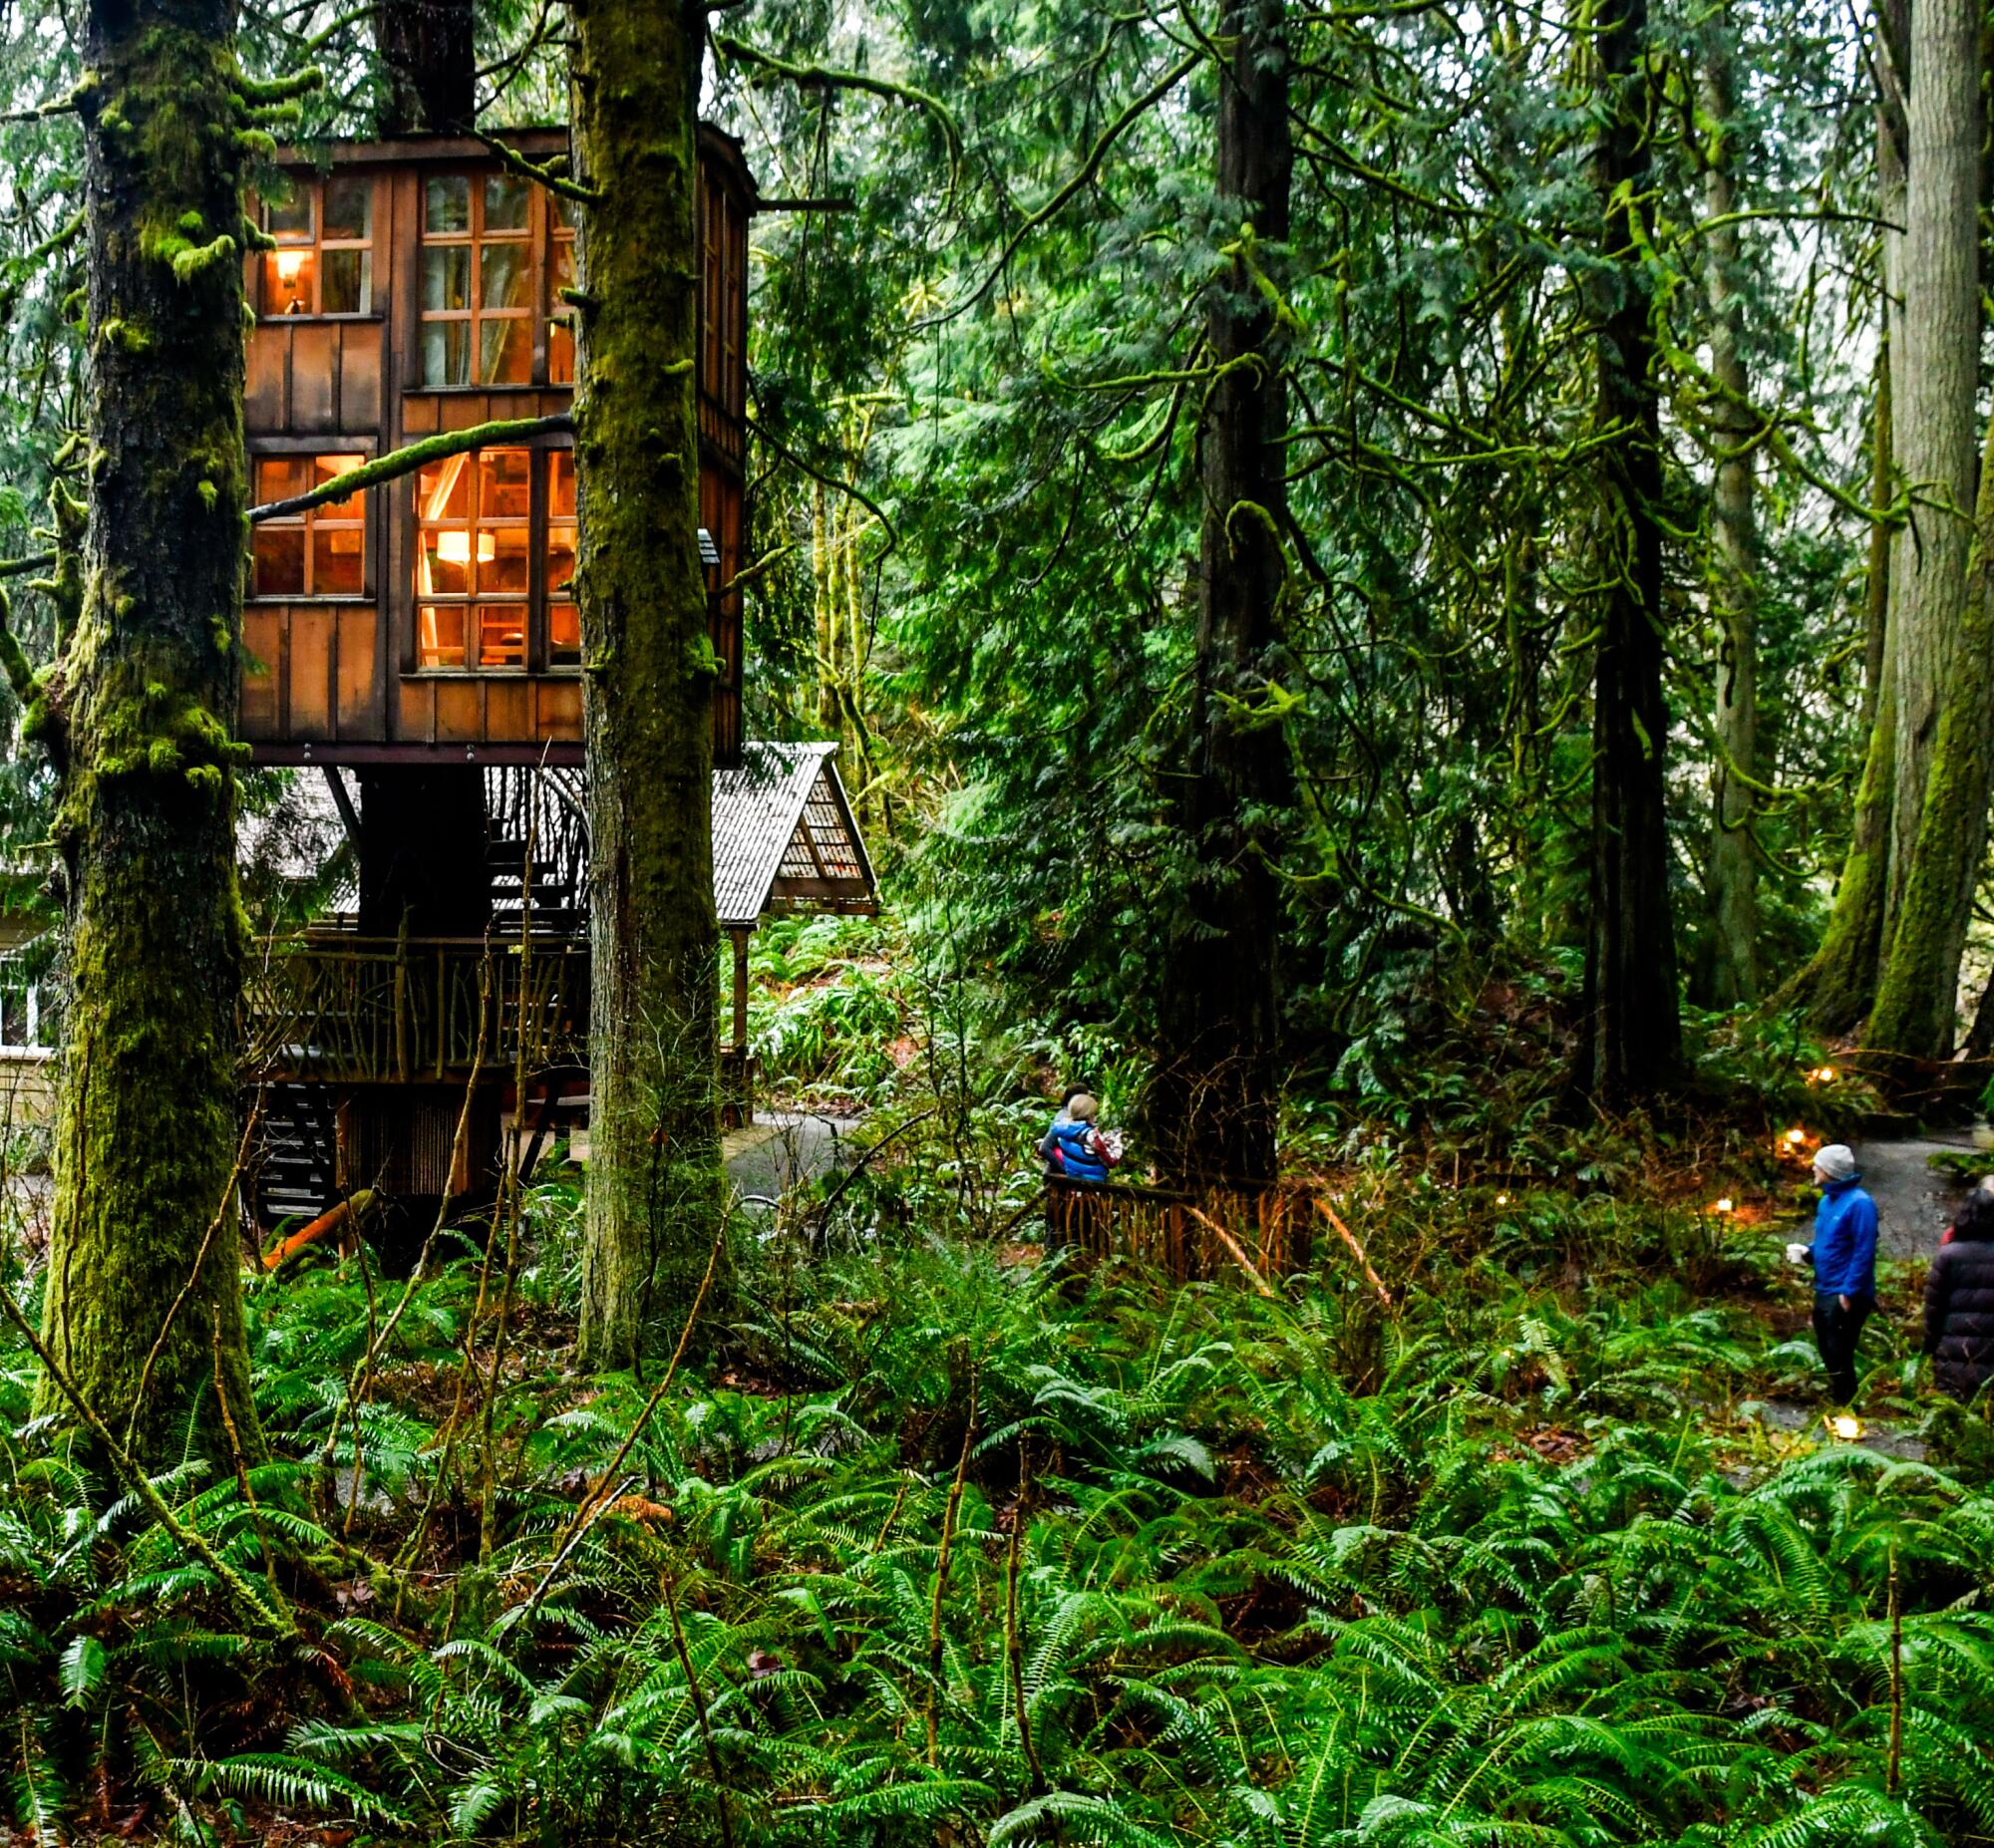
502, 635
439, 635
278, 477
338, 562
563, 635
349, 207
560, 214
505, 352
348, 282
446, 204
446, 278
560, 354
502, 491
442, 566
443, 490
501, 276
287, 281
561, 558
329, 468
278, 562
560, 485
290, 220
447, 353
502, 561
507, 203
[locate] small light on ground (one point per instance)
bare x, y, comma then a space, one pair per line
1797, 1136
1826, 1074
1845, 1427
1501, 1199
1723, 1206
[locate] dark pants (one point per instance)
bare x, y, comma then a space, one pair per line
1834, 1333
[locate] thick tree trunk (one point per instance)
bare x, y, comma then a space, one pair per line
1632, 1041
1215, 1090
1731, 870
144, 1294
1918, 997
654, 1192
1935, 368
427, 66
1839, 985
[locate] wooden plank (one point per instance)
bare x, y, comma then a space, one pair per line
460, 710
263, 383
314, 377
310, 713
359, 378
359, 673
507, 709
414, 709
262, 637
559, 714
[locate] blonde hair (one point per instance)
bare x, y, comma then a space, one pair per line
1081, 1110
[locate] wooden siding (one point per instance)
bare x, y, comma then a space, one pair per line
335, 680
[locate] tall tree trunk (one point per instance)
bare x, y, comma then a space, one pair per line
1632, 1041
1731, 871
1934, 358
144, 1294
1839, 985
1216, 1090
654, 1185
427, 66
1918, 997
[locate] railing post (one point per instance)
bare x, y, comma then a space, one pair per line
402, 999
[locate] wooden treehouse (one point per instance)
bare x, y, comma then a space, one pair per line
419, 645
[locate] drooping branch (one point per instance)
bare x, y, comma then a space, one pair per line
398, 463
829, 481
513, 162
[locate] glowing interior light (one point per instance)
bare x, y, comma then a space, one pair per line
1845, 1427
290, 265
455, 547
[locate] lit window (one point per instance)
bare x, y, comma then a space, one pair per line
320, 553
561, 275
474, 563
324, 259
476, 280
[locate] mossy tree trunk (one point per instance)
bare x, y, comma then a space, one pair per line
1730, 964
1838, 986
144, 1254
1632, 1043
1215, 1094
654, 1183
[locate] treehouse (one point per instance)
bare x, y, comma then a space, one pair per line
422, 638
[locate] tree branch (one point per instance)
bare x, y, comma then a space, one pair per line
398, 463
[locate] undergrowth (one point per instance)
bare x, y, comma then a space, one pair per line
936, 1545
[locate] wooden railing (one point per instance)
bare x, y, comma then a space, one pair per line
339, 1007
1190, 1236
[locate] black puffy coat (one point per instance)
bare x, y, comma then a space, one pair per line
1959, 1314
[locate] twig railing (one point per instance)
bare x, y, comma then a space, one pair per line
1192, 1236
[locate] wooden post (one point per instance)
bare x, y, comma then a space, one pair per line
746, 1099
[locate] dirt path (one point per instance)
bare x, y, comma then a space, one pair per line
1914, 1202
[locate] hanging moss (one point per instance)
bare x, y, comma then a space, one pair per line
143, 1276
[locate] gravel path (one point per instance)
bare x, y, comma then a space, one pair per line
1914, 1202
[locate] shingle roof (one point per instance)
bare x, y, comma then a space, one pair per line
780, 819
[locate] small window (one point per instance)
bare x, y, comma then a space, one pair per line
561, 275
476, 561
324, 259
320, 553
477, 281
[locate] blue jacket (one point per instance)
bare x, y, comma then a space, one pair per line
1078, 1161
1845, 1240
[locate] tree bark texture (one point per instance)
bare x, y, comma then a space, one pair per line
144, 1257
428, 66
1840, 984
1731, 870
654, 1192
1917, 995
1632, 1043
1934, 361
1216, 1086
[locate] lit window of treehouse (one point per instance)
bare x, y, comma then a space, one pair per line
324, 259
497, 538
318, 553
480, 284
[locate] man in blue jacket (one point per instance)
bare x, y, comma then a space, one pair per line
1844, 1255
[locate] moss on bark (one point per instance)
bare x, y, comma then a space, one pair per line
654, 1188
143, 1286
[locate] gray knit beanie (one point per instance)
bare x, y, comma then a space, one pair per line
1835, 1162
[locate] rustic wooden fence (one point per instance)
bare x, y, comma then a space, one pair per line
1267, 1233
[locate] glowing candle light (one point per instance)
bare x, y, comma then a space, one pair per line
1501, 1199
1845, 1427
1722, 1205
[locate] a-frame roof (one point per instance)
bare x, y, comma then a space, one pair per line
784, 837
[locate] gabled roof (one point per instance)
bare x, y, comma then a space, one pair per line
784, 837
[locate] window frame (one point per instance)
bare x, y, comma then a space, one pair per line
535, 602
533, 238
333, 515
315, 245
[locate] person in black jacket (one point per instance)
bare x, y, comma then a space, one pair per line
1959, 1300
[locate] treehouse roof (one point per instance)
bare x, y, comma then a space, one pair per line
784, 837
